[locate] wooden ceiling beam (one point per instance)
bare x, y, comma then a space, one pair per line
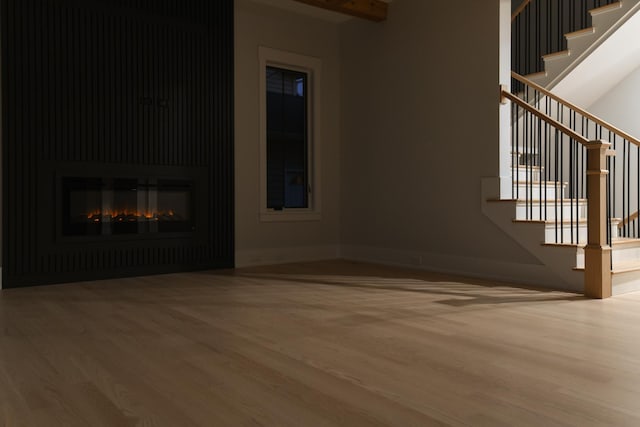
373, 10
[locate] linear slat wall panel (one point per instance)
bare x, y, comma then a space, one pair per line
142, 83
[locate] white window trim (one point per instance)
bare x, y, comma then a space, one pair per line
312, 66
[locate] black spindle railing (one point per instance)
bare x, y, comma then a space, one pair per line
549, 171
560, 180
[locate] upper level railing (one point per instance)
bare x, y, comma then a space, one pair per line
539, 28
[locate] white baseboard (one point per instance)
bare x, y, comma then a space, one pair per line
529, 274
254, 257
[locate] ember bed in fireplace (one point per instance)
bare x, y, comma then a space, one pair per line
126, 206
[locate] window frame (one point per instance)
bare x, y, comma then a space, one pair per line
312, 67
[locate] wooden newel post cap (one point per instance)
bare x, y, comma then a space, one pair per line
596, 162
598, 144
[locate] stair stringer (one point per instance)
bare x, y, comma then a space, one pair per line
560, 260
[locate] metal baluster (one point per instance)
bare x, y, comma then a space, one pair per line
515, 110
557, 133
628, 178
548, 159
540, 215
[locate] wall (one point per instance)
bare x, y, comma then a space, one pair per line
620, 106
412, 169
267, 242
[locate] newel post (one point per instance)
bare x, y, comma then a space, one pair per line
597, 253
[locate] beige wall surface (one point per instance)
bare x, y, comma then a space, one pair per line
264, 242
420, 128
410, 126
620, 106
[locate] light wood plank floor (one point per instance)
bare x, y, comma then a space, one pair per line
316, 344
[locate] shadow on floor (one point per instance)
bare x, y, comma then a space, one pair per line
463, 293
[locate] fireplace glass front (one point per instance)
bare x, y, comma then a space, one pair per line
126, 206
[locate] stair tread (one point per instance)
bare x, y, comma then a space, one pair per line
568, 220
556, 55
538, 201
538, 75
606, 8
541, 183
625, 241
564, 245
551, 201
553, 221
579, 33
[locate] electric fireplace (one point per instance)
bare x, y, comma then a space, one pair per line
100, 206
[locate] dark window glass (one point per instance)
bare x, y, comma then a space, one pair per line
287, 145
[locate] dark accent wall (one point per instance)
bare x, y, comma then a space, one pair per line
104, 85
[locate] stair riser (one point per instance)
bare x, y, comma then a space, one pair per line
555, 66
522, 174
625, 254
565, 233
618, 255
580, 44
563, 211
608, 19
537, 192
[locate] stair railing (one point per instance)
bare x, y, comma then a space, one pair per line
538, 28
549, 172
623, 201
559, 145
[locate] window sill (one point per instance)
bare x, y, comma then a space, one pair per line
289, 216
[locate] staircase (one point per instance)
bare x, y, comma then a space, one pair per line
562, 208
546, 53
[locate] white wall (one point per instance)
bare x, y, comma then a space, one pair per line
621, 105
411, 168
269, 242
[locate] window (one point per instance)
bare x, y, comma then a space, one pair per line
288, 136
287, 142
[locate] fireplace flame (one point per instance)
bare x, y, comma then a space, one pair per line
129, 215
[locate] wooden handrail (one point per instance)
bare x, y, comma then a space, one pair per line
562, 128
520, 8
574, 107
629, 219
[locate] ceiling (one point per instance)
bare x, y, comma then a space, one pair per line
304, 9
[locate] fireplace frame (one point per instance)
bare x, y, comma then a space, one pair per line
137, 202
53, 238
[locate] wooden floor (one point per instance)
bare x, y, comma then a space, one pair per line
318, 344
